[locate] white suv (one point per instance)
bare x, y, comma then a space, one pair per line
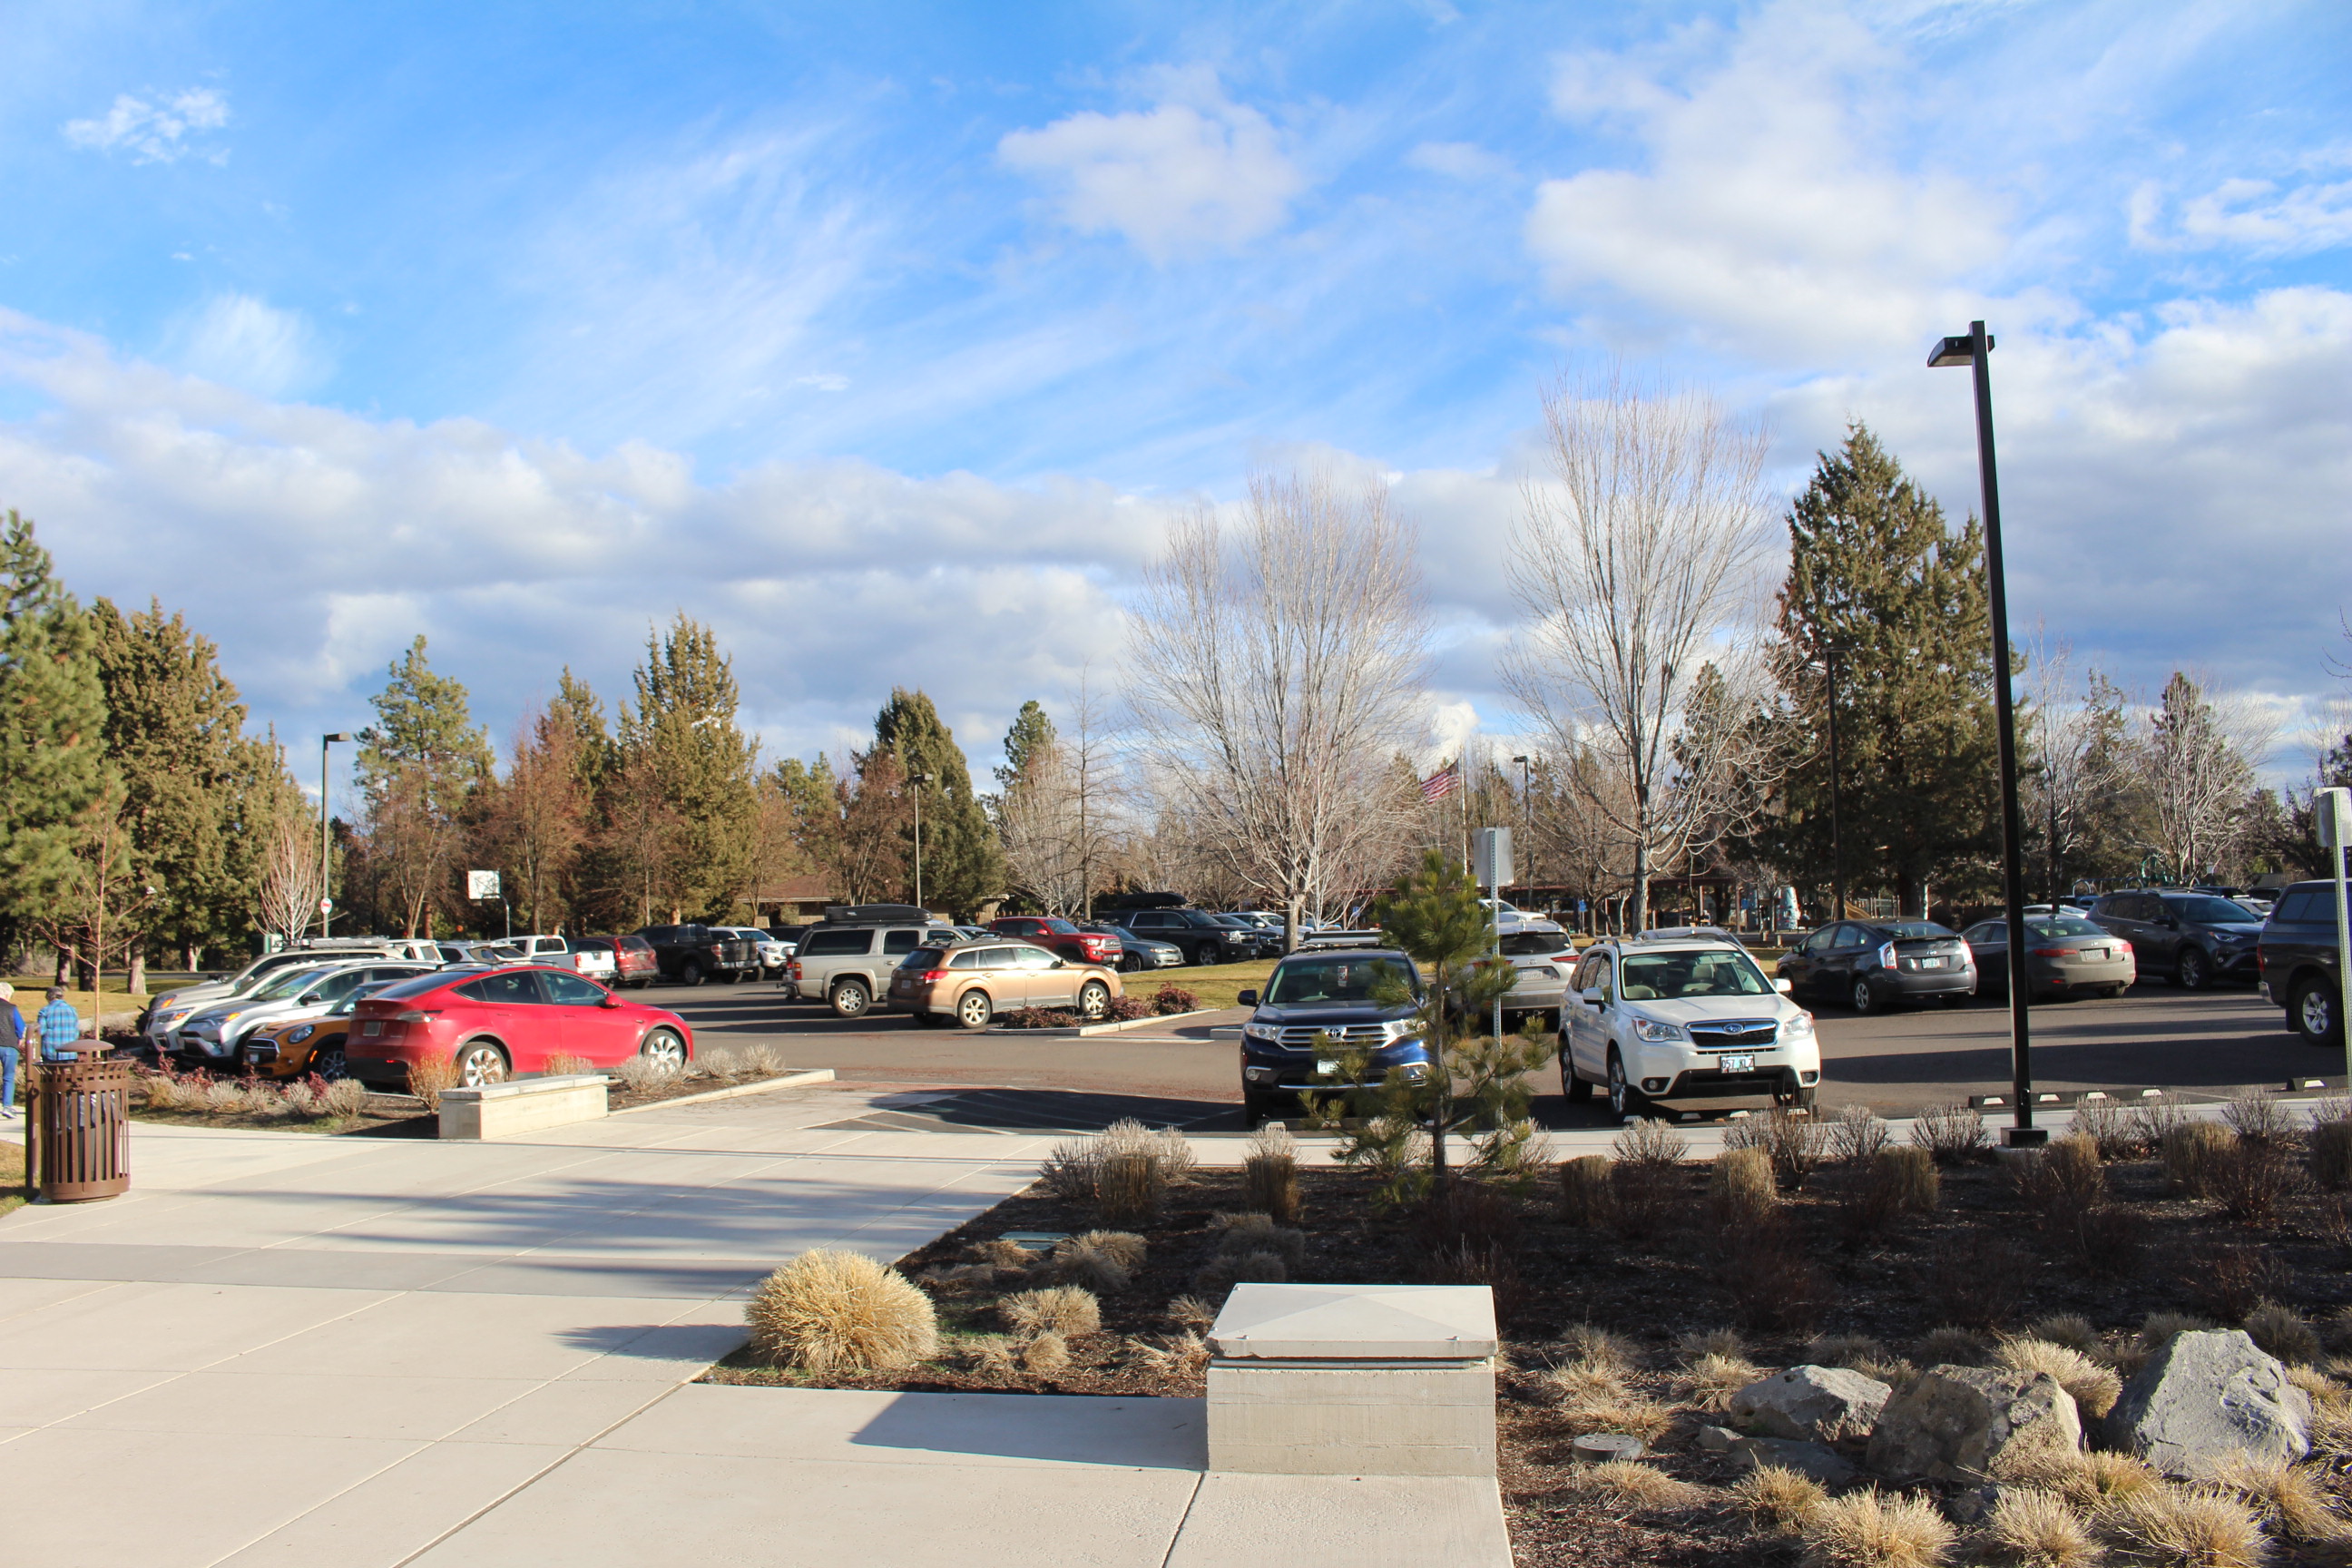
1683, 1017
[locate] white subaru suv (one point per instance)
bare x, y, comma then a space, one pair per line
1683, 1016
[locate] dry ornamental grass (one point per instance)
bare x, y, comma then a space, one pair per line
2287, 1496
2032, 1528
2190, 1527
1587, 1193
1062, 1310
2095, 1388
1951, 1133
2283, 1331
1709, 1382
1633, 1485
2192, 1153
562, 1066
428, 1077
1870, 1529
1740, 1188
841, 1312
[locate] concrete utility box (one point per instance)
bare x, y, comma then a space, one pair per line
523, 1105
1353, 1380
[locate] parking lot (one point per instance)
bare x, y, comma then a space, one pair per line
2154, 1036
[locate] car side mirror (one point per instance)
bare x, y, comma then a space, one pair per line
1595, 994
307, 998
608, 1000
1784, 987
1244, 998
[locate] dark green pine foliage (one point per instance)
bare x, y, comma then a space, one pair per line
424, 730
52, 727
1879, 583
1030, 738
963, 866
706, 768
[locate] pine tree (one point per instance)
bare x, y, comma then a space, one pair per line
683, 729
1032, 734
419, 766
52, 727
1882, 592
962, 866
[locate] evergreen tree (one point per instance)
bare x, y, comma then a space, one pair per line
703, 767
1031, 736
419, 766
52, 727
1883, 593
962, 866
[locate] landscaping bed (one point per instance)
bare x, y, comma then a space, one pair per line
1616, 1281
1168, 1002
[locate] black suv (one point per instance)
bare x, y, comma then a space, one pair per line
690, 955
2298, 959
2193, 939
1316, 1003
1203, 938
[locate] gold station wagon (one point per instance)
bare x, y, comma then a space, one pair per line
973, 982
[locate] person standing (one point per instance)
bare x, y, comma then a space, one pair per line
57, 1025
12, 1040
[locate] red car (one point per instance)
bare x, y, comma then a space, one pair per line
1060, 937
497, 1024
620, 961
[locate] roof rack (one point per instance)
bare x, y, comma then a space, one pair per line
1687, 934
875, 915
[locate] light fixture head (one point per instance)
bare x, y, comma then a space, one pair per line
1957, 350
338, 735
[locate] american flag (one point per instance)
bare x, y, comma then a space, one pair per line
1439, 785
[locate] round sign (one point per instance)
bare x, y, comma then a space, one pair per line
326, 905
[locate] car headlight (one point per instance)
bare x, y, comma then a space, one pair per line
302, 1034
1397, 1028
1267, 1032
1798, 1026
1658, 1029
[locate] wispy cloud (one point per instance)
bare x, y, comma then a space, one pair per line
251, 344
2259, 216
163, 131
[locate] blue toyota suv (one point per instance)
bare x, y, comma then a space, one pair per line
1331, 996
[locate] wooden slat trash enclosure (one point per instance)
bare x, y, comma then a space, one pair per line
81, 1129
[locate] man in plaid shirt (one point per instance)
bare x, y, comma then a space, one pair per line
57, 1025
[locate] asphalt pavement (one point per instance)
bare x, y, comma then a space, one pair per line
2207, 1044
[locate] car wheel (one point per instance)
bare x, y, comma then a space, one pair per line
1624, 1100
2192, 971
664, 1049
1788, 1092
480, 1063
1255, 1107
327, 1062
1571, 1085
2315, 1014
1129, 963
1094, 1000
690, 972
973, 1010
1864, 999
850, 999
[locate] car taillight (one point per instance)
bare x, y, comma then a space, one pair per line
933, 976
2050, 952
718, 949
1886, 956
794, 971
412, 1017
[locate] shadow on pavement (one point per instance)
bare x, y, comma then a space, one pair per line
1037, 1110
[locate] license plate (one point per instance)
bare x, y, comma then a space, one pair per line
1931, 963
1326, 1067
372, 1027
1741, 1063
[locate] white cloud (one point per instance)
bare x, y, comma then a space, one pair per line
161, 133
251, 344
1768, 217
2254, 215
1459, 160
1197, 173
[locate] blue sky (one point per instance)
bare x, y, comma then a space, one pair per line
885, 337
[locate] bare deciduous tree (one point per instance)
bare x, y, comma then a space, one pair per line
1276, 667
2197, 755
1636, 564
1055, 818
2075, 746
291, 878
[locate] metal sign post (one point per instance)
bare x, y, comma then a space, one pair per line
2332, 808
1493, 860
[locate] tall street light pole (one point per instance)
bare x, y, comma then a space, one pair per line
1837, 802
917, 781
1972, 351
326, 834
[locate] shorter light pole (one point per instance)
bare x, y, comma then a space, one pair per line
326, 846
919, 781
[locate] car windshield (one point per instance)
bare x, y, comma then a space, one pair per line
924, 957
2212, 912
1709, 971
1298, 983
2062, 926
293, 983
1908, 931
343, 1008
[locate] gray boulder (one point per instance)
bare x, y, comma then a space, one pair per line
2205, 1397
1819, 1460
1967, 1423
1812, 1404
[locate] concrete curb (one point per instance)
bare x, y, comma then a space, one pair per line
1081, 1030
788, 1081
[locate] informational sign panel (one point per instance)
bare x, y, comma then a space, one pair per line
1490, 855
482, 885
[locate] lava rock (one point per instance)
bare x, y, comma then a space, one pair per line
1963, 1423
1812, 1404
2206, 1397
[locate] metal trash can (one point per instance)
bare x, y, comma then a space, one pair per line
82, 1125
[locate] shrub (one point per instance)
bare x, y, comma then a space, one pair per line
1062, 1310
2286, 1497
2231, 1280
2331, 1155
1872, 1530
2105, 1123
1951, 1133
1248, 1233
428, 1077
1711, 1341
2039, 1529
1644, 1199
1631, 1484
1777, 1499
2062, 1181
562, 1066
1842, 1350
1709, 1382
2112, 1238
224, 1098
2156, 1329
1100, 1260
2095, 1388
1047, 1352
1795, 1143
1270, 1173
2191, 1153
1740, 1189
1649, 1144
1128, 1187
2251, 1176
344, 1097
2155, 1117
2071, 1330
1907, 1179
2282, 1332
1191, 1312
1170, 999
1128, 1009
2257, 1117
641, 1075
1124, 1171
761, 1060
721, 1062
1602, 1347
1594, 1397
841, 1312
1856, 1135
1587, 1193
2196, 1527
1952, 1346
1216, 1279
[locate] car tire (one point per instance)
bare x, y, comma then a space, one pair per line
329, 1063
849, 999
690, 972
1571, 1085
2315, 1013
480, 1062
1094, 1001
1863, 998
1129, 963
2192, 971
1624, 1100
974, 1010
664, 1049
1255, 1108
1790, 1095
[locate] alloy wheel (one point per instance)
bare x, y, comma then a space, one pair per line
2316, 1013
1620, 1095
974, 1010
1094, 999
1864, 999
2195, 972
481, 1064
665, 1050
